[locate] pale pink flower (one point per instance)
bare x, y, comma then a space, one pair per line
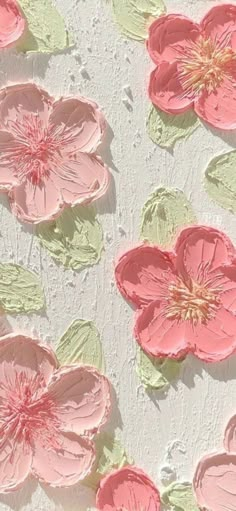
12, 23
128, 489
186, 299
214, 481
48, 415
47, 152
196, 65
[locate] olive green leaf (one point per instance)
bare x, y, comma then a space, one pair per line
165, 129
75, 239
81, 343
20, 290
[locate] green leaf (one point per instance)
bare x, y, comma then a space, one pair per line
20, 290
46, 30
156, 373
220, 180
165, 129
81, 343
180, 497
75, 239
135, 16
166, 211
110, 455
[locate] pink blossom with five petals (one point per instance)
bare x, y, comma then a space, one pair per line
196, 65
128, 489
48, 415
48, 155
185, 299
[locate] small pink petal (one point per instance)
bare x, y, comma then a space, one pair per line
228, 285
158, 335
230, 436
218, 108
81, 123
169, 35
81, 180
65, 465
82, 398
15, 464
36, 203
220, 24
12, 23
214, 340
128, 489
8, 172
166, 91
142, 274
18, 102
19, 353
201, 250
215, 483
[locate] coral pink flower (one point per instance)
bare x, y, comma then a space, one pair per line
48, 415
215, 477
186, 299
196, 65
47, 152
12, 23
128, 489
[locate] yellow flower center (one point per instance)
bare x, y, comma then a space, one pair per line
190, 301
204, 65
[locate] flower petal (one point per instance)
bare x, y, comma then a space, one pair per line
8, 172
79, 123
82, 398
228, 285
169, 35
216, 339
201, 250
218, 108
81, 180
12, 23
220, 24
23, 354
158, 335
65, 465
36, 203
215, 482
166, 91
128, 488
142, 274
230, 436
15, 464
20, 101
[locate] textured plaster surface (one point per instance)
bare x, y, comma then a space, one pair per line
172, 430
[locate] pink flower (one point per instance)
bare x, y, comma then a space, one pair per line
196, 65
186, 299
48, 415
12, 23
47, 152
215, 477
128, 489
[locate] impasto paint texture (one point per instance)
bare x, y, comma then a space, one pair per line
118, 261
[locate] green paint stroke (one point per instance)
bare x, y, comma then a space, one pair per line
81, 344
46, 30
156, 373
135, 16
166, 212
75, 239
165, 129
180, 497
20, 290
220, 180
110, 455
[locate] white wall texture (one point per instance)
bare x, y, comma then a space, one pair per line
195, 410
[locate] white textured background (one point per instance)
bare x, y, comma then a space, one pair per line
196, 409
